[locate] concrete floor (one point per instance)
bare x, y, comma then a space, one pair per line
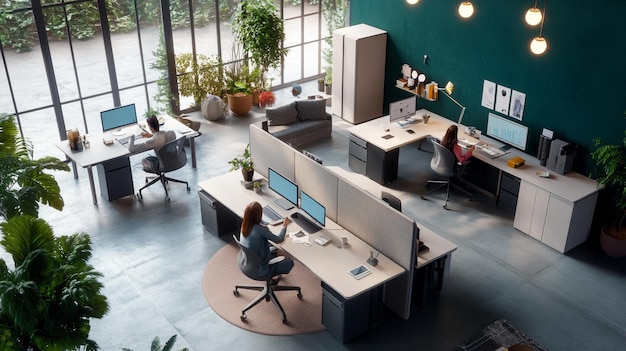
152, 254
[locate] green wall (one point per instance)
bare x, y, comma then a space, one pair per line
577, 88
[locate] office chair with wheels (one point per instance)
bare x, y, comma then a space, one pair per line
393, 201
444, 163
169, 158
249, 263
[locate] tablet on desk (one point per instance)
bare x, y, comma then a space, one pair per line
359, 272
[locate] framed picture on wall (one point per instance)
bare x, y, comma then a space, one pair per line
503, 99
518, 100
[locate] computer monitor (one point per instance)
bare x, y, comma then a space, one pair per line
313, 208
507, 131
402, 109
118, 117
283, 187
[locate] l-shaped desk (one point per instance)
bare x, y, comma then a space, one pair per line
557, 210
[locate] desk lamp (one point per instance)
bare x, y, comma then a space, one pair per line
448, 92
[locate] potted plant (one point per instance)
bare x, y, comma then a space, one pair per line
245, 163
328, 80
257, 187
266, 98
238, 85
259, 29
199, 76
611, 173
320, 84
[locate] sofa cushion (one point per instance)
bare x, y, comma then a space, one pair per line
282, 115
311, 109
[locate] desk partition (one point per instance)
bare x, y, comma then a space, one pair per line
364, 215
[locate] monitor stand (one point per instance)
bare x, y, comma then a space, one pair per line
306, 224
119, 132
284, 203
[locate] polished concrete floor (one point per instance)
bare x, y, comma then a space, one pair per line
152, 254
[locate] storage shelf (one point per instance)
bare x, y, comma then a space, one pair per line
412, 91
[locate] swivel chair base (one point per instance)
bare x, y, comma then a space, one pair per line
267, 293
447, 184
164, 181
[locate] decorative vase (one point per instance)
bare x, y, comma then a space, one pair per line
255, 97
320, 86
329, 89
247, 174
240, 103
611, 246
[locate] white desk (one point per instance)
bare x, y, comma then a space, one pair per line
557, 210
98, 152
330, 263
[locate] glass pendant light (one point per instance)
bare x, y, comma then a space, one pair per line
539, 45
466, 9
533, 15
412, 2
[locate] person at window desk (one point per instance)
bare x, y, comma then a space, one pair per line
450, 142
156, 139
255, 237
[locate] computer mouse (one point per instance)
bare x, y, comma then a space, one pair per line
410, 131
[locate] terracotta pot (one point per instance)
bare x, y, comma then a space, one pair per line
240, 103
611, 246
255, 98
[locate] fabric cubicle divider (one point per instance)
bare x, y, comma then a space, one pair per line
359, 212
385, 229
319, 182
268, 151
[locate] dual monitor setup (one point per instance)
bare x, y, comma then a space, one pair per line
402, 113
288, 190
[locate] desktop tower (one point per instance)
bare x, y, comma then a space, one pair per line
116, 178
216, 217
543, 150
561, 157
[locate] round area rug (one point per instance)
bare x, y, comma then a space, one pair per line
304, 315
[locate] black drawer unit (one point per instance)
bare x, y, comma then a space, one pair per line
509, 190
357, 154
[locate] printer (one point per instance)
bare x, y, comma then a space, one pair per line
561, 156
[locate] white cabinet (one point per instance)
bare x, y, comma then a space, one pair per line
555, 221
359, 54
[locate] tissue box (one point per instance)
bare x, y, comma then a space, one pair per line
515, 162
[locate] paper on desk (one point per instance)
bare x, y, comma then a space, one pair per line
299, 240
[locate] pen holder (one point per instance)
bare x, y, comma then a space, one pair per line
373, 261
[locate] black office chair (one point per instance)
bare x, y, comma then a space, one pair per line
444, 163
393, 201
169, 158
249, 263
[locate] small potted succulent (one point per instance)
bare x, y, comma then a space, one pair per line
245, 163
257, 187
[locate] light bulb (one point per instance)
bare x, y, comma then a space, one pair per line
538, 46
533, 16
466, 9
412, 2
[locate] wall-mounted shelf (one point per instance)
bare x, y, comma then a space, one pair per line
415, 91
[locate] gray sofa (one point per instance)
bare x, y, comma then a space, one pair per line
300, 122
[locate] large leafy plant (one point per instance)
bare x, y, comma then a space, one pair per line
611, 173
23, 180
47, 301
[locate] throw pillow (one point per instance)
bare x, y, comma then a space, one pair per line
311, 109
282, 115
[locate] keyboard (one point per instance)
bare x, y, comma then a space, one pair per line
271, 214
125, 140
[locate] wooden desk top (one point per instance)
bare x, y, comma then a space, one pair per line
331, 262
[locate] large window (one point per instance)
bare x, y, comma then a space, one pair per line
64, 61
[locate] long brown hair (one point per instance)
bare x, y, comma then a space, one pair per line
251, 216
450, 138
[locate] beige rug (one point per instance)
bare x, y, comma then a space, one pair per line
304, 315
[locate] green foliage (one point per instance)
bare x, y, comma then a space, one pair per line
261, 32
23, 181
243, 161
334, 13
17, 26
46, 302
199, 76
611, 172
156, 345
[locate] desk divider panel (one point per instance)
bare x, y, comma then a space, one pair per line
319, 182
268, 151
385, 229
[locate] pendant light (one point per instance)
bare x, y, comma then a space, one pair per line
412, 2
466, 9
539, 45
533, 15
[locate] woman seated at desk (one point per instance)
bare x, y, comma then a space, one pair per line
255, 237
450, 141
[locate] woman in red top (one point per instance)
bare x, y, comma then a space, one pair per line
450, 142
